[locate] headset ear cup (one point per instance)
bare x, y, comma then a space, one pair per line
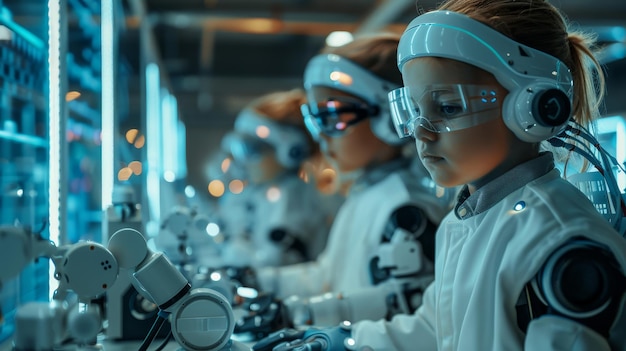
293, 155
382, 126
552, 107
536, 112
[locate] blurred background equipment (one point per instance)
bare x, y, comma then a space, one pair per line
140, 93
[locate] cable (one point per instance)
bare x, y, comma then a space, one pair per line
609, 161
154, 330
579, 135
165, 341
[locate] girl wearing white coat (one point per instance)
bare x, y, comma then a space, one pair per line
347, 111
485, 83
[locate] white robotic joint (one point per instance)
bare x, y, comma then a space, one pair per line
160, 279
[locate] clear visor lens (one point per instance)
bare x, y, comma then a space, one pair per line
333, 117
443, 108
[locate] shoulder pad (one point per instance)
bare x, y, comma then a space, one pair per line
408, 217
582, 280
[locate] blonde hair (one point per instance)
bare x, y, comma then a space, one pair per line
540, 25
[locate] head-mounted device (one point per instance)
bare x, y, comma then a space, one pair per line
245, 148
290, 143
538, 105
336, 72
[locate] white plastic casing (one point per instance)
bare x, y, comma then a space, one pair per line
88, 269
204, 320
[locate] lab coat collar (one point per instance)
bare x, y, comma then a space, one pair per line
491, 193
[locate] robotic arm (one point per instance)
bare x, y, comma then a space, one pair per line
201, 319
85, 268
400, 272
22, 247
409, 274
185, 239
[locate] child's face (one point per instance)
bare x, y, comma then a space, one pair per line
462, 156
356, 147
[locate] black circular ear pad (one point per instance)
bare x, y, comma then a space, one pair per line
551, 107
537, 112
291, 156
297, 153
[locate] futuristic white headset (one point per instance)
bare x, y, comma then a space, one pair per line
334, 71
539, 103
291, 145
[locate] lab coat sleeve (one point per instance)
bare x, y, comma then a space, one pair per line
303, 279
554, 333
415, 332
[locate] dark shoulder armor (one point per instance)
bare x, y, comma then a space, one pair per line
413, 219
408, 217
582, 281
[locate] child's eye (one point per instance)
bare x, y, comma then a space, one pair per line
450, 110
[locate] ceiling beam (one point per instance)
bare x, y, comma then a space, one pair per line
258, 25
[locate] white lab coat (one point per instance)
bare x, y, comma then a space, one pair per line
287, 203
356, 234
482, 263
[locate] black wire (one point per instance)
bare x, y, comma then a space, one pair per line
154, 330
164, 342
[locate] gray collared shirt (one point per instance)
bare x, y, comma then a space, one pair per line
485, 197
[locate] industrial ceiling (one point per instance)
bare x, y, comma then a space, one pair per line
217, 55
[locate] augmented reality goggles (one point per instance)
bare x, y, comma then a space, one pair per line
443, 108
539, 86
334, 116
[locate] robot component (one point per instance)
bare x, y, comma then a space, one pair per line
201, 319
409, 274
19, 247
204, 321
129, 314
74, 264
43, 325
154, 273
39, 325
192, 242
581, 281
87, 269
337, 338
123, 212
400, 273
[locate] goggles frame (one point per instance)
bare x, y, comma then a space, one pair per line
453, 106
328, 120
